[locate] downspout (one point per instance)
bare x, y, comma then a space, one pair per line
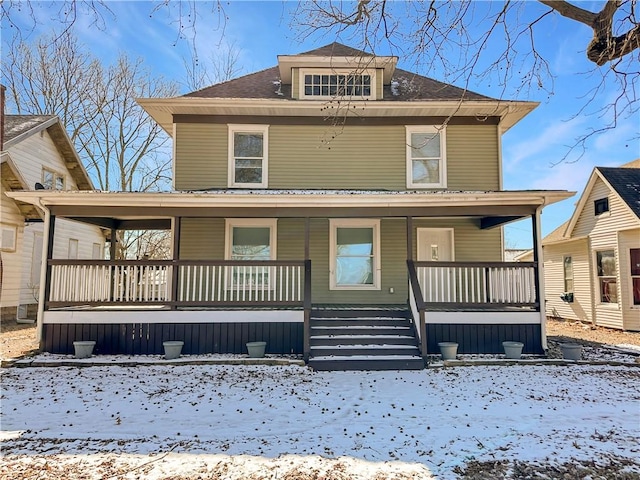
43, 271
543, 307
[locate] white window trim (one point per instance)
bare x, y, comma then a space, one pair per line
597, 293
337, 71
248, 128
271, 223
56, 176
334, 224
411, 129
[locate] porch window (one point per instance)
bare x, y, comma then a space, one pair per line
426, 157
249, 239
568, 274
52, 180
606, 265
634, 255
248, 159
355, 254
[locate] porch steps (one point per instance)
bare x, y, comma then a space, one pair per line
363, 339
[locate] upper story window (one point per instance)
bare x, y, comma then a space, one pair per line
601, 206
52, 180
329, 83
248, 157
426, 157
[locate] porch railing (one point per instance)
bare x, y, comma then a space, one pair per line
177, 283
468, 285
480, 284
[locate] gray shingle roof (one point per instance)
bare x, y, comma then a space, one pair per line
626, 182
15, 125
405, 86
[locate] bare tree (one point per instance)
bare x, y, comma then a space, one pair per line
121, 146
494, 43
220, 65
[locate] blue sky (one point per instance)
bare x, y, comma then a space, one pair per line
260, 31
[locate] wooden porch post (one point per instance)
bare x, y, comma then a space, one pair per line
409, 238
45, 276
177, 224
539, 275
112, 257
306, 335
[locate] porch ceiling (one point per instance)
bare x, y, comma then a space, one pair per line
129, 210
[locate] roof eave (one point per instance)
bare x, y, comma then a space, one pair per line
163, 109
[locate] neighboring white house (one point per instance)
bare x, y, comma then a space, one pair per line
592, 261
36, 152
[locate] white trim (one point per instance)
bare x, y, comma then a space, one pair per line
336, 71
374, 224
442, 180
271, 223
248, 128
421, 231
154, 316
596, 284
483, 318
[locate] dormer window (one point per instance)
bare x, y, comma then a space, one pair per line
328, 83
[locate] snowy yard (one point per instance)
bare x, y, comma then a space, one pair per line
287, 422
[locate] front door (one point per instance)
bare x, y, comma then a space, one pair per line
435, 245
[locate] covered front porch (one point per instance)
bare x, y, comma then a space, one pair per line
217, 305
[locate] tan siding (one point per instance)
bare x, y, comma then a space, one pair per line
379, 84
631, 314
554, 255
11, 261
201, 156
472, 152
202, 239
303, 156
336, 157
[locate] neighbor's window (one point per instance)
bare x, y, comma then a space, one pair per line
8, 238
52, 180
73, 248
249, 239
355, 254
606, 265
634, 255
325, 84
96, 251
426, 158
568, 274
248, 146
601, 206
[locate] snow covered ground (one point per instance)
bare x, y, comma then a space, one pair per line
288, 422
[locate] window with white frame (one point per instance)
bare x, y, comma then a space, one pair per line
567, 264
607, 280
332, 83
52, 180
248, 155
426, 157
634, 256
355, 254
250, 239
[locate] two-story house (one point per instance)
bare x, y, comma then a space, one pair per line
334, 206
592, 261
37, 153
